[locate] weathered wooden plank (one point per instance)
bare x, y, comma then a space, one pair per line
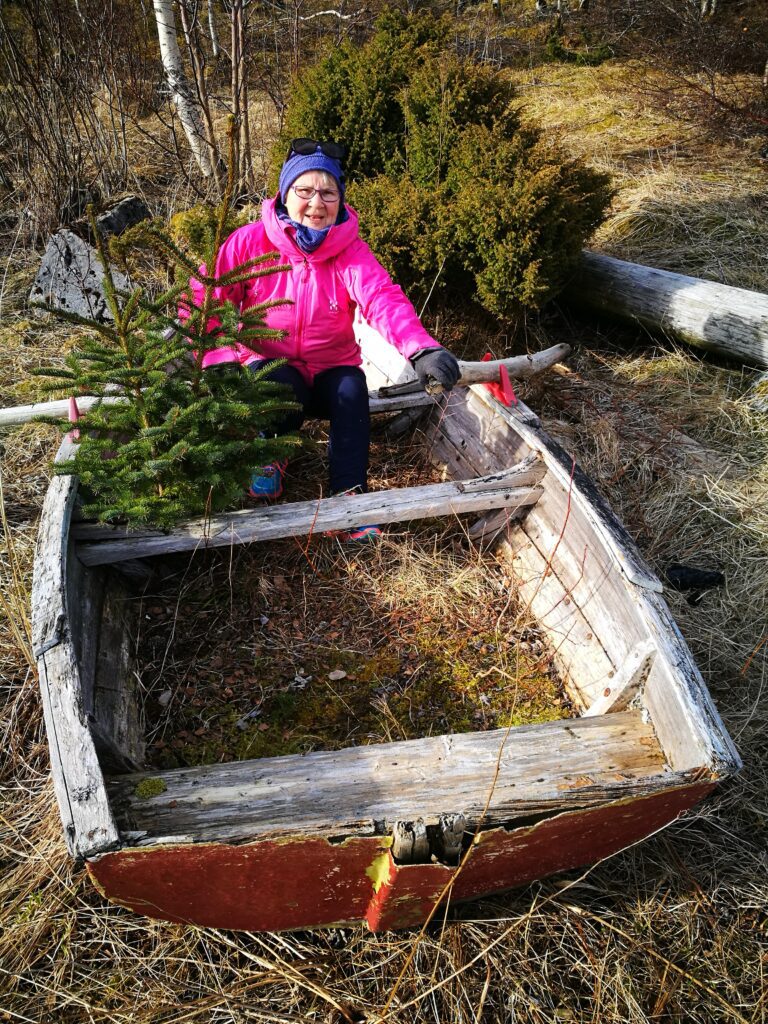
589, 512
117, 705
56, 409
410, 844
463, 440
581, 660
360, 790
449, 838
684, 715
730, 321
59, 408
77, 778
488, 528
627, 683
623, 607
512, 487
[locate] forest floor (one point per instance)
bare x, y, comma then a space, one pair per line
675, 929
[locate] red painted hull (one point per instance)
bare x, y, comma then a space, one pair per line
277, 885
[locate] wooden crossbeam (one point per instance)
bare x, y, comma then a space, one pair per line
537, 769
59, 407
100, 545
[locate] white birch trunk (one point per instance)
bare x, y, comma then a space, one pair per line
215, 49
181, 93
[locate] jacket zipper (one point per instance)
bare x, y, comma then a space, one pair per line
300, 304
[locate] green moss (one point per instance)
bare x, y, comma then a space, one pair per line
148, 788
439, 682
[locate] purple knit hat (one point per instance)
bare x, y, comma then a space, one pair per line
299, 164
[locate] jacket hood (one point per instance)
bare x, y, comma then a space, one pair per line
281, 235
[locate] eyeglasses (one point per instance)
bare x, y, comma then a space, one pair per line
328, 195
305, 147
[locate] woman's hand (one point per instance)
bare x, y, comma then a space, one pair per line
436, 366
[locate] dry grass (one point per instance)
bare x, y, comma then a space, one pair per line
684, 202
673, 930
321, 647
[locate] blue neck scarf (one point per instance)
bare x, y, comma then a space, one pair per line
308, 239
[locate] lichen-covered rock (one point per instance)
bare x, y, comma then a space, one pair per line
71, 278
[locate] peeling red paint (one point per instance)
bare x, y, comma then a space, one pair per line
504, 860
272, 885
282, 884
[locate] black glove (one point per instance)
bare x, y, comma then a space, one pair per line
437, 369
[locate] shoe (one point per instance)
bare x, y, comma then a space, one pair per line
360, 533
267, 483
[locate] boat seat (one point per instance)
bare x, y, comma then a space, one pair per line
496, 776
514, 487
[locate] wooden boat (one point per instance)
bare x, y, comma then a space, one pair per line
381, 833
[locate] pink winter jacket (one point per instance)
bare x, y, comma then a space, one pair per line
326, 289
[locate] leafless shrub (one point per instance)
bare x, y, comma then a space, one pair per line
74, 73
711, 54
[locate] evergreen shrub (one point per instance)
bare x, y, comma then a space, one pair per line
452, 190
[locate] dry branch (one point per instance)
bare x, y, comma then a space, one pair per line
520, 367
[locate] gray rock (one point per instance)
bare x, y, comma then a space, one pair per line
71, 278
122, 215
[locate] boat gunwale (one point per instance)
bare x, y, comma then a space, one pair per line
720, 754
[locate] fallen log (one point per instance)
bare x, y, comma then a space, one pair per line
730, 321
519, 367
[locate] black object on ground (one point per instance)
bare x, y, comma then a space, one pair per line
695, 582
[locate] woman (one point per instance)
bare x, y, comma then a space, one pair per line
333, 276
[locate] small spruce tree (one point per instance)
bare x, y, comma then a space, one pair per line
182, 440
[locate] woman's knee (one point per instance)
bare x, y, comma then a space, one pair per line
292, 378
346, 388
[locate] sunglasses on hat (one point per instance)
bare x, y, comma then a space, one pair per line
306, 147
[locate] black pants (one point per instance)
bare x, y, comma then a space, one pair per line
341, 396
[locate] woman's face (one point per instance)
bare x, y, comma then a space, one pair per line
315, 212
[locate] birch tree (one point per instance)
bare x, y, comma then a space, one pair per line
182, 95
